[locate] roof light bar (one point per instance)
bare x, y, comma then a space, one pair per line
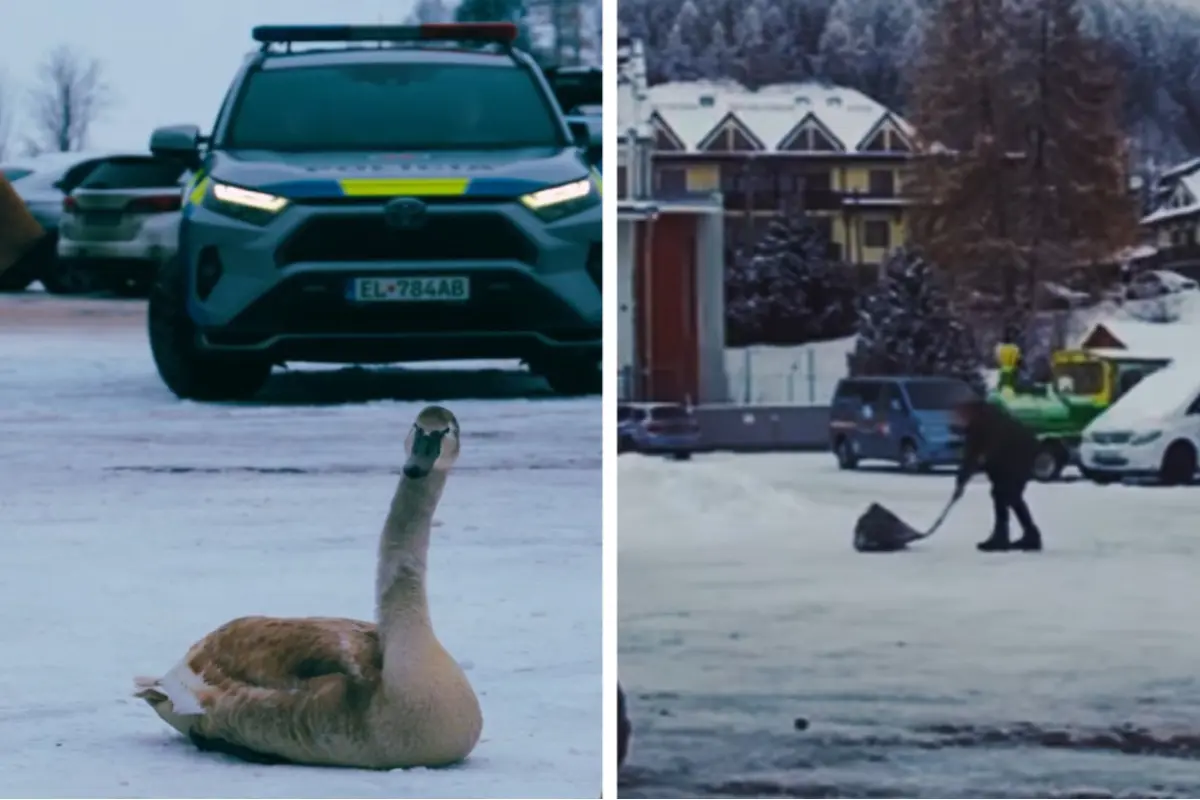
498, 32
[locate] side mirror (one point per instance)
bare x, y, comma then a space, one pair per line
181, 142
581, 132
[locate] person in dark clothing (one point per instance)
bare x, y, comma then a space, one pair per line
623, 728
1004, 448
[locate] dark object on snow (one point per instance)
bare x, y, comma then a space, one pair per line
1005, 449
801, 724
880, 531
623, 728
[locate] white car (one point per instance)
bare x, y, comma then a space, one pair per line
121, 222
1152, 432
1157, 283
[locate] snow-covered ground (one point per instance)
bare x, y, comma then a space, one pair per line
133, 524
936, 672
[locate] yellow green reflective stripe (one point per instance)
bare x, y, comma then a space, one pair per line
404, 187
196, 195
598, 180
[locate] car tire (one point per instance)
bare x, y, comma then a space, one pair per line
681, 455
30, 266
571, 377
68, 276
844, 451
187, 371
1049, 462
1178, 464
910, 459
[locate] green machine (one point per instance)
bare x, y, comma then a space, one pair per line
1056, 412
1085, 383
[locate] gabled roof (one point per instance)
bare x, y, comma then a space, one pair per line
730, 125
1182, 201
810, 122
895, 124
694, 109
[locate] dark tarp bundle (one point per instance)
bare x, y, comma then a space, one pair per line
880, 531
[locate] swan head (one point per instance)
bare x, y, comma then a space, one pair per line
432, 443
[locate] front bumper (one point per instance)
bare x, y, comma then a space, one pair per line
281, 290
114, 251
668, 443
1124, 460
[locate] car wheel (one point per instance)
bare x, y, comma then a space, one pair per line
1179, 464
68, 276
188, 372
30, 265
571, 377
844, 451
910, 460
1049, 462
681, 455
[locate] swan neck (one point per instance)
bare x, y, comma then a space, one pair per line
403, 552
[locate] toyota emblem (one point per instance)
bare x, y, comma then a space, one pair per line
405, 214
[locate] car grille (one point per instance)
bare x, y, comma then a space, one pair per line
1112, 437
445, 237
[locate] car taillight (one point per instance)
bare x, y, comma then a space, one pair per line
155, 204
69, 204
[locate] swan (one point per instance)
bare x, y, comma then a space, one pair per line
339, 692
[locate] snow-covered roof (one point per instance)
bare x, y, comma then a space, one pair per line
1148, 339
695, 111
1183, 201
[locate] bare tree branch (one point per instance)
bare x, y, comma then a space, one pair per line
71, 94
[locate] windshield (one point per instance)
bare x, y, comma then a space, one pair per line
393, 107
14, 174
134, 173
938, 395
1079, 377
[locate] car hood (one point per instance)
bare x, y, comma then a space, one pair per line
505, 174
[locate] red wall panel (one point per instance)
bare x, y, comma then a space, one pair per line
666, 300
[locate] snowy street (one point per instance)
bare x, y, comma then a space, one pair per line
937, 672
134, 524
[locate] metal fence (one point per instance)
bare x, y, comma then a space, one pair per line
806, 375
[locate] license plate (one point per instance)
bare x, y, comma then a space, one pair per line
447, 289
1107, 457
102, 218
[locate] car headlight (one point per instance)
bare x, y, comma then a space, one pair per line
558, 202
1145, 438
248, 205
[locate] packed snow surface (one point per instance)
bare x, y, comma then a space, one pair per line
135, 523
935, 672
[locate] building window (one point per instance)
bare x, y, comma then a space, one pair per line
817, 181
622, 183
877, 233
882, 183
670, 181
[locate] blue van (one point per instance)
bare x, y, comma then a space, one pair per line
905, 420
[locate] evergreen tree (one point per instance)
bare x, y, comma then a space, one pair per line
719, 56
965, 205
787, 290
907, 326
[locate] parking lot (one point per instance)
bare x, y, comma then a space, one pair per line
134, 523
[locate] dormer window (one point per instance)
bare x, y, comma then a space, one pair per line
707, 101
